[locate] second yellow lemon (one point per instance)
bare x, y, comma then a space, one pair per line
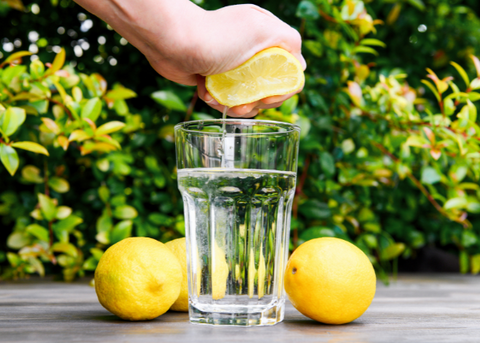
270, 72
219, 273
330, 280
138, 279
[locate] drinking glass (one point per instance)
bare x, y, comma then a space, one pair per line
237, 180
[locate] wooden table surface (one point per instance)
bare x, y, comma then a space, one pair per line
415, 308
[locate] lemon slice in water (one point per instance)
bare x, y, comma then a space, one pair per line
270, 72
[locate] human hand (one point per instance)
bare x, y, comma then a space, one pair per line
222, 40
240, 32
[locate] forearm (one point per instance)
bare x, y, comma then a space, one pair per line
152, 26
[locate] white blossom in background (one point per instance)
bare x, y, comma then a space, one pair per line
33, 48
77, 50
33, 36
35, 9
86, 25
8, 46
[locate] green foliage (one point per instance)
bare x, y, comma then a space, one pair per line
388, 165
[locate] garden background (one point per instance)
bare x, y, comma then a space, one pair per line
389, 153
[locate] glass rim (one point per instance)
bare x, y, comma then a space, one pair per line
290, 128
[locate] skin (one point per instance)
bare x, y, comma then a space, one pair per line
184, 43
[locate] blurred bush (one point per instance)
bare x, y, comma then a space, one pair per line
389, 165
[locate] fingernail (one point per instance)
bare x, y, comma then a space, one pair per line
209, 100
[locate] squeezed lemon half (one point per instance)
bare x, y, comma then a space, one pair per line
270, 72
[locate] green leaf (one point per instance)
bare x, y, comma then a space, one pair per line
315, 47
120, 94
475, 84
31, 146
159, 219
159, 180
372, 41
314, 209
58, 184
348, 146
90, 264
13, 259
11, 119
31, 174
110, 127
66, 248
125, 212
63, 212
15, 56
97, 253
57, 64
474, 96
464, 262
121, 231
372, 227
169, 100
456, 95
469, 238
327, 163
316, 232
104, 223
418, 141
18, 240
37, 265
307, 10
41, 106
364, 49
458, 172
432, 88
455, 203
47, 206
289, 105
12, 72
38, 231
104, 193
475, 264
472, 111
67, 224
180, 225
430, 176
462, 73
9, 158
92, 109
392, 251
418, 4
77, 94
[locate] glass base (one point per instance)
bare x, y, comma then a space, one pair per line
237, 315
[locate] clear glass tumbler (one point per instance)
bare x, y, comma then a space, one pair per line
237, 179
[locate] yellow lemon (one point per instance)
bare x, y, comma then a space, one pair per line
179, 249
138, 279
219, 273
270, 72
260, 273
330, 280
